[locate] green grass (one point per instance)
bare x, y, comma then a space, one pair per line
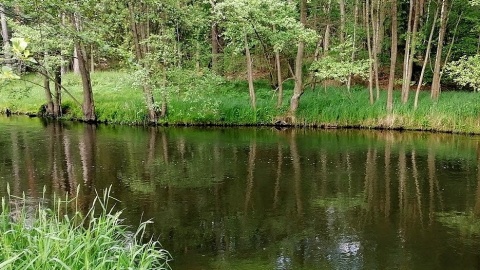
33, 236
208, 99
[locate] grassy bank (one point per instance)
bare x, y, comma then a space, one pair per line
210, 100
35, 237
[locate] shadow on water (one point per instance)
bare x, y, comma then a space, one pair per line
242, 198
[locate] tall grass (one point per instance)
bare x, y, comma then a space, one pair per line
37, 237
208, 99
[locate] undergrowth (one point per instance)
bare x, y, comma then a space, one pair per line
207, 99
33, 236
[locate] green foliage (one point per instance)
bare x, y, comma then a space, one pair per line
206, 98
338, 65
37, 237
466, 71
20, 53
8, 74
263, 22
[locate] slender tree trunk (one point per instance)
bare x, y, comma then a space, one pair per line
57, 102
449, 53
375, 45
342, 20
478, 45
406, 57
279, 79
3, 26
48, 95
354, 41
76, 67
4, 33
251, 89
197, 53
326, 38
425, 61
298, 88
215, 50
409, 55
164, 108
370, 51
88, 105
393, 58
92, 60
133, 28
381, 24
435, 90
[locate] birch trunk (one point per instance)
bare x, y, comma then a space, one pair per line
425, 61
298, 88
3, 26
435, 90
393, 58
251, 89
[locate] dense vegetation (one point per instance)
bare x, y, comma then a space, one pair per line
36, 237
222, 103
319, 62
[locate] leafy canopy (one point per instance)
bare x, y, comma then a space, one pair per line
466, 71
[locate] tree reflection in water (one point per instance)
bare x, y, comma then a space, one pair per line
244, 198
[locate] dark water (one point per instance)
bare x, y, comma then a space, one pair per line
243, 198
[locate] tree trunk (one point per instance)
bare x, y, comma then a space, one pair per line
279, 79
393, 58
298, 88
452, 42
3, 26
326, 39
406, 57
410, 52
164, 108
354, 41
342, 20
214, 36
150, 102
48, 96
92, 60
375, 45
425, 61
370, 51
251, 89
76, 67
88, 105
57, 102
435, 90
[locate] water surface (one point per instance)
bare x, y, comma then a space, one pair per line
244, 198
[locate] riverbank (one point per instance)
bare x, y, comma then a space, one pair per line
209, 100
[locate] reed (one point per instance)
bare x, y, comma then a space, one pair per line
34, 236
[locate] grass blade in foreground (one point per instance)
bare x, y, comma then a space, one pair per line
36, 237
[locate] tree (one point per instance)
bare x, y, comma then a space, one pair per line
435, 89
3, 26
393, 57
339, 66
298, 76
410, 46
466, 71
249, 24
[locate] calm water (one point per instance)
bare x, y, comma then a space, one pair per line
243, 198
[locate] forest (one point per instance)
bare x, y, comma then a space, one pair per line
392, 55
